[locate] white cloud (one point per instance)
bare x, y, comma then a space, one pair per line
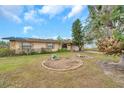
11, 12
52, 10
29, 15
27, 29
75, 11
12, 16
32, 16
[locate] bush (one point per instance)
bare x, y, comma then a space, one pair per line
6, 52
54, 57
110, 46
45, 50
63, 50
4, 44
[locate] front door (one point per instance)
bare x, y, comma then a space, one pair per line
64, 46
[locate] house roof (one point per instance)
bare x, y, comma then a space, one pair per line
35, 39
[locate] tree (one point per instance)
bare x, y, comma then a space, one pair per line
4, 44
60, 40
105, 22
108, 22
105, 19
77, 34
120, 36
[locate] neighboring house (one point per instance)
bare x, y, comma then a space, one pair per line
91, 45
21, 45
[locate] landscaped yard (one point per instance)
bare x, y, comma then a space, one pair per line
26, 71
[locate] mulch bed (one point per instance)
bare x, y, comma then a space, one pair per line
63, 63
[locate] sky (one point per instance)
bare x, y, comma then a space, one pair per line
37, 21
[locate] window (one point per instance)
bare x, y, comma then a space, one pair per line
50, 46
26, 46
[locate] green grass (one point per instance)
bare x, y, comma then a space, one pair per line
26, 71
11, 63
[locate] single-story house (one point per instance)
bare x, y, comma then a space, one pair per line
21, 45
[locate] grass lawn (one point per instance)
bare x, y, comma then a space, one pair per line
26, 71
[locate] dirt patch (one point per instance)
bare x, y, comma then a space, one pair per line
84, 56
96, 52
113, 70
62, 63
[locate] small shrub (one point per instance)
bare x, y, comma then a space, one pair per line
45, 50
34, 53
54, 57
63, 50
6, 52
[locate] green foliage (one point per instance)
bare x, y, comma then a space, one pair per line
55, 57
36, 53
6, 52
62, 50
77, 34
119, 36
103, 19
59, 38
4, 44
105, 22
42, 51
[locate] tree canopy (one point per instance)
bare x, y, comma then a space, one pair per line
77, 34
106, 25
105, 20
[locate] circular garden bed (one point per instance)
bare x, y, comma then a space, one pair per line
62, 63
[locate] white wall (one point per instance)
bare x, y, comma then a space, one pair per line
90, 45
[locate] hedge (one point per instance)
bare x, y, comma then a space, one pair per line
6, 52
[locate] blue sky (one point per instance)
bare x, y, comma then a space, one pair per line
39, 21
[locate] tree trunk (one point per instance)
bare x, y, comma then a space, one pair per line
121, 62
120, 65
80, 48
